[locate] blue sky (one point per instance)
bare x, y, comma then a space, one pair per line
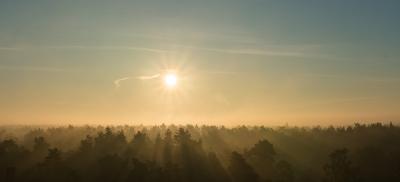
263, 61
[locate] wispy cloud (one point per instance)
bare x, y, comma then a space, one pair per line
32, 68
260, 52
237, 48
134, 48
149, 77
118, 81
229, 42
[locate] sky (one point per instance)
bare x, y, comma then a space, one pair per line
253, 62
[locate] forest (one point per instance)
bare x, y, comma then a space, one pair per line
195, 153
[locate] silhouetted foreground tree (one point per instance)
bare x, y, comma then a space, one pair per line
339, 168
200, 154
240, 170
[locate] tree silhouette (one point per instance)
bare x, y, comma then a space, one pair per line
110, 168
339, 168
284, 172
216, 170
140, 146
261, 156
53, 155
189, 153
167, 150
191, 157
240, 170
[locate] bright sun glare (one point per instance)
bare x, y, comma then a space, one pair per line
170, 80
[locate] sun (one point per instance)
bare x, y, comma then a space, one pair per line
170, 80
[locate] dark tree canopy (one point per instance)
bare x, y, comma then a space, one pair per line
240, 170
366, 153
339, 168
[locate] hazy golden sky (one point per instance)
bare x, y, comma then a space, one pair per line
237, 62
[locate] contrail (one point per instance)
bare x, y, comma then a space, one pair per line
148, 77
118, 81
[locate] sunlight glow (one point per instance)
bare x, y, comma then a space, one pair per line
170, 80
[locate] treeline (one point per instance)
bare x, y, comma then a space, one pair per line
200, 153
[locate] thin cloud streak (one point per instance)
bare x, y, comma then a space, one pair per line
242, 51
118, 81
25, 68
249, 51
278, 53
284, 51
148, 77
260, 52
267, 50
145, 49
